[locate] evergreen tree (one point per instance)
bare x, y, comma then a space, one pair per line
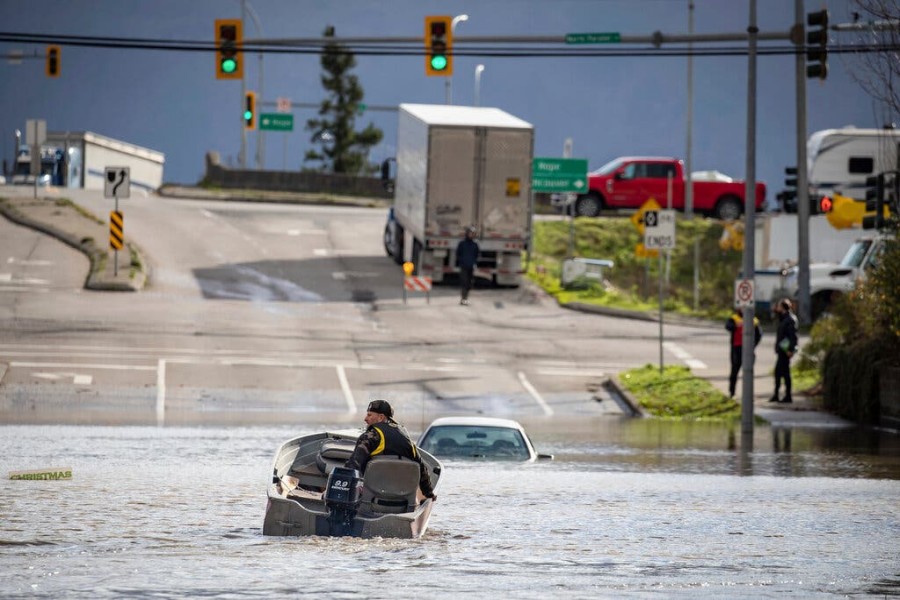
343, 149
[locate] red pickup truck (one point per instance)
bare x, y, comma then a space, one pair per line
628, 182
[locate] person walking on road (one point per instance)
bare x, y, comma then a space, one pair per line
466, 259
735, 324
785, 347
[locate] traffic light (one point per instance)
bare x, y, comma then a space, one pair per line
250, 110
788, 197
229, 60
438, 46
825, 205
817, 45
874, 202
53, 59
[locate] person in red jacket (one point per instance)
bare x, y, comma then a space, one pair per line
735, 324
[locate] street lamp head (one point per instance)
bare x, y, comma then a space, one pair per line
458, 19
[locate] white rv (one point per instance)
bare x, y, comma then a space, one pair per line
841, 159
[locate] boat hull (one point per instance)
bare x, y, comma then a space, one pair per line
295, 504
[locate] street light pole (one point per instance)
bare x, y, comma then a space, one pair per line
448, 81
260, 135
478, 71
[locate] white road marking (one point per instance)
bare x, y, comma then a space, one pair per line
681, 354
31, 263
43, 365
296, 232
339, 275
534, 394
161, 392
77, 379
571, 372
5, 276
345, 387
321, 252
13, 288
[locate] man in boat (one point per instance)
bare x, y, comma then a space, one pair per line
386, 437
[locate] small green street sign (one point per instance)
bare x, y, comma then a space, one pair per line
612, 37
276, 122
559, 175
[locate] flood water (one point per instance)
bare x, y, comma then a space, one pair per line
645, 510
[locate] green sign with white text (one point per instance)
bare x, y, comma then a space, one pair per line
276, 122
612, 37
559, 175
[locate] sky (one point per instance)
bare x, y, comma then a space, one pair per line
608, 106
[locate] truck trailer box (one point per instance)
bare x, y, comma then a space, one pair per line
458, 167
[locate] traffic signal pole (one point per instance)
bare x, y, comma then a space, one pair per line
748, 349
799, 37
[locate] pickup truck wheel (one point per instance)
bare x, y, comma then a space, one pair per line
588, 205
729, 208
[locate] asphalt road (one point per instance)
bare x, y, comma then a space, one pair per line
261, 313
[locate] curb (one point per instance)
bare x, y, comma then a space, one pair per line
96, 280
622, 397
196, 193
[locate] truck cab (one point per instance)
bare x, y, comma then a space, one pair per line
829, 281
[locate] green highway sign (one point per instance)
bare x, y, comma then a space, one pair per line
559, 175
276, 122
612, 37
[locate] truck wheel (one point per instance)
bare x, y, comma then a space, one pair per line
729, 208
821, 302
588, 205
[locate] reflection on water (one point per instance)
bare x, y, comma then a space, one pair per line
639, 508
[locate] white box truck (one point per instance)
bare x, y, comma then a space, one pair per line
458, 167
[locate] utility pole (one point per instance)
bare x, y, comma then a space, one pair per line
798, 36
243, 155
688, 159
748, 348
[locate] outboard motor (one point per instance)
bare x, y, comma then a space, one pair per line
342, 495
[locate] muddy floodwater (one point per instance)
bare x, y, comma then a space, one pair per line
645, 510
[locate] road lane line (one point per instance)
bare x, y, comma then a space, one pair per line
682, 354
161, 392
345, 386
571, 373
534, 394
81, 366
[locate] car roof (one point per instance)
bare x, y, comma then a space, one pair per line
476, 421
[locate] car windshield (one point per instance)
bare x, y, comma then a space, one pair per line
856, 253
609, 167
475, 441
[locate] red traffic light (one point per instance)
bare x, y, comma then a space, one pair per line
825, 204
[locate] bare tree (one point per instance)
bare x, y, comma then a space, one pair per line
878, 73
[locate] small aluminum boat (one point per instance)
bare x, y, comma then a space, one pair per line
311, 492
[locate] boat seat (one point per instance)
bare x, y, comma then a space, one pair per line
334, 453
390, 484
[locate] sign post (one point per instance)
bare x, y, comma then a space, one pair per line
659, 234
117, 182
35, 135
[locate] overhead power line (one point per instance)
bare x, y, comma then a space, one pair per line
512, 47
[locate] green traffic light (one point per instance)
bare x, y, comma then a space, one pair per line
439, 62
248, 115
229, 65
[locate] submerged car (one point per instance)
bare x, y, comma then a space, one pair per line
480, 438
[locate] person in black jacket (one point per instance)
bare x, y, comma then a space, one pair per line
785, 347
386, 437
735, 324
466, 259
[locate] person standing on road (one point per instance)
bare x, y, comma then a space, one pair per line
386, 437
466, 259
735, 324
785, 347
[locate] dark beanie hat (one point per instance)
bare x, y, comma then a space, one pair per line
382, 407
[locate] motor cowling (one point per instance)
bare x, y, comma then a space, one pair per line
344, 488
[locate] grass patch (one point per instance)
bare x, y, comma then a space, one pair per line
633, 283
676, 393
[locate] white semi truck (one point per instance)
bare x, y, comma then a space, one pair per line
458, 167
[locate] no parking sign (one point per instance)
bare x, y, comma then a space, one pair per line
743, 293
